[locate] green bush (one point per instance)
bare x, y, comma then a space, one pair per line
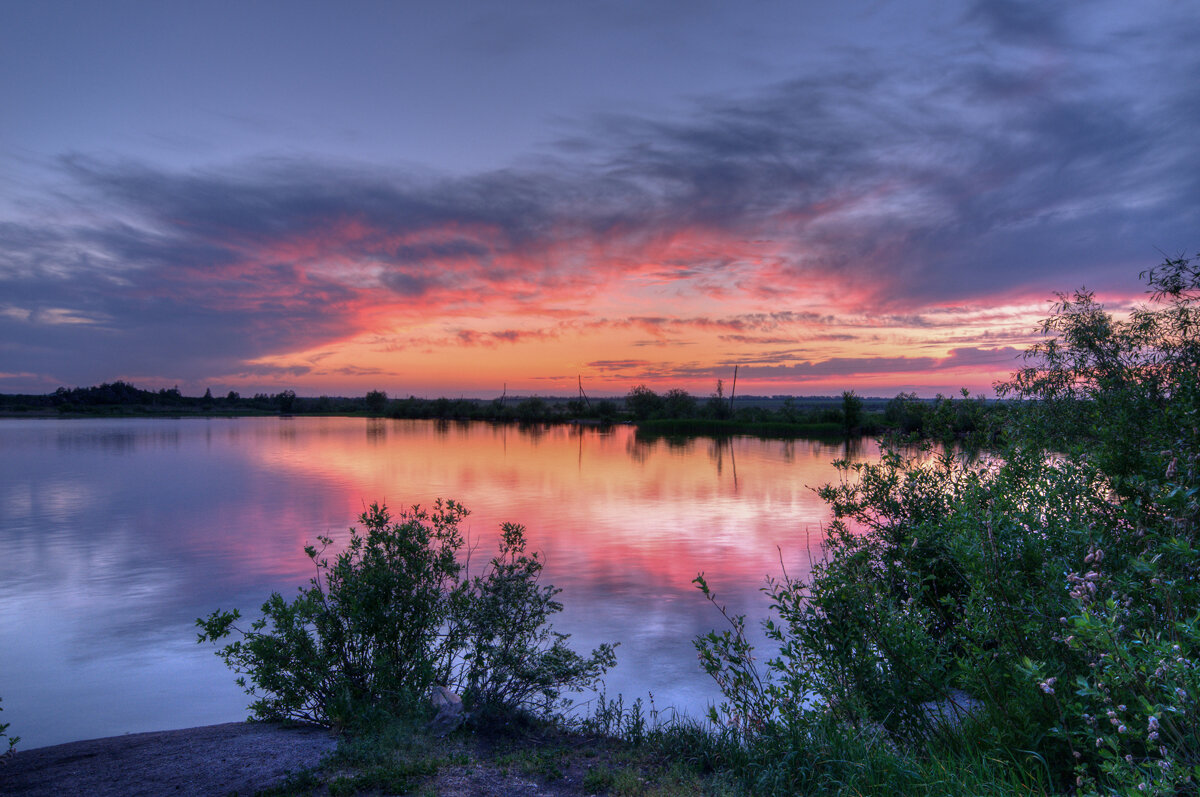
510, 655
1046, 597
1122, 397
397, 612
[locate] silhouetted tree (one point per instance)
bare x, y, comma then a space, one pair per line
851, 411
678, 404
717, 406
376, 402
643, 403
285, 400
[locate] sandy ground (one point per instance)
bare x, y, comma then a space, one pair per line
234, 758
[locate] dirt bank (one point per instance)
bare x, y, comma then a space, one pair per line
235, 757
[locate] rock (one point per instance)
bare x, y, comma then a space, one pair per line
449, 708
951, 710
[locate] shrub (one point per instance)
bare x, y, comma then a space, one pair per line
511, 657
12, 740
396, 612
1123, 398
1052, 592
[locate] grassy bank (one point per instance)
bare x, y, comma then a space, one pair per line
626, 755
402, 757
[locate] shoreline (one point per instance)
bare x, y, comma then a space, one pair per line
232, 757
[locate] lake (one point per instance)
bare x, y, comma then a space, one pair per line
118, 533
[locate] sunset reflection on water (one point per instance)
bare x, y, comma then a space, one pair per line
119, 533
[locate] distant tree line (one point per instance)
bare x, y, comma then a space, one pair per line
122, 398
906, 415
675, 412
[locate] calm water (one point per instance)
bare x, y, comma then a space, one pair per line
117, 534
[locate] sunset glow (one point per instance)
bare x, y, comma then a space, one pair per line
765, 193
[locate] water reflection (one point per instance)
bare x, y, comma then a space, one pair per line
117, 534
377, 431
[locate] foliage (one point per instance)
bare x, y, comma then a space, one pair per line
852, 408
973, 422
1122, 392
376, 401
396, 612
1129, 389
643, 403
532, 409
285, 400
511, 657
718, 406
678, 403
606, 410
1042, 604
12, 740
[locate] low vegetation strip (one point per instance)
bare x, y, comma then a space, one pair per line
673, 413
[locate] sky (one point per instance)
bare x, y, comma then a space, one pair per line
458, 198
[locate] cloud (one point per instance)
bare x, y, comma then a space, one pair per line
966, 357
788, 368
1019, 22
610, 366
872, 193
